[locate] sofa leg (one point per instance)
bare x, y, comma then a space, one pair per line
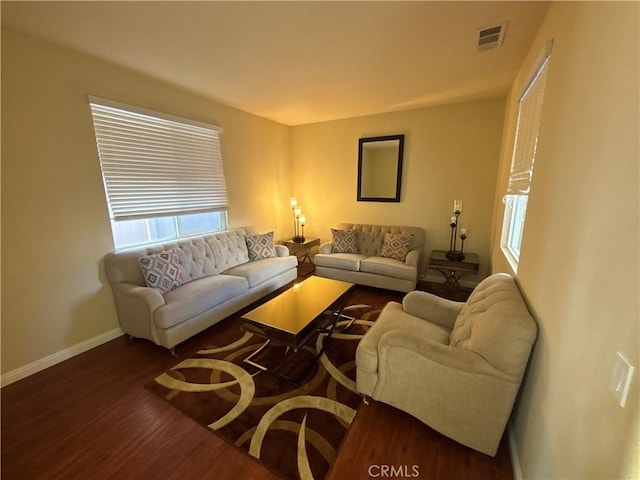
173, 351
365, 399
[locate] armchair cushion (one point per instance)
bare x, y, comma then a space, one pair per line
481, 325
393, 318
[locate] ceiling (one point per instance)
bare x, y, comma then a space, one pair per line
299, 62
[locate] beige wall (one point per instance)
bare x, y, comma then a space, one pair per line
55, 228
580, 251
450, 152
54, 216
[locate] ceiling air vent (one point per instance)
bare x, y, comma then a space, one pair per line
491, 37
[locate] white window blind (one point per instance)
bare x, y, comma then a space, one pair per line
524, 153
156, 165
526, 142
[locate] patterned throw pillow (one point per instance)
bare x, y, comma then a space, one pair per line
396, 245
260, 246
162, 270
344, 241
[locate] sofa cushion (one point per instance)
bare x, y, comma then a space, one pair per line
496, 324
393, 317
344, 261
396, 245
344, 241
264, 269
260, 246
196, 297
388, 267
229, 248
196, 259
161, 270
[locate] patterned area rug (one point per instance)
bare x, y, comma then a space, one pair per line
294, 431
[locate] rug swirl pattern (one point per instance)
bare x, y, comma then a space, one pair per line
294, 431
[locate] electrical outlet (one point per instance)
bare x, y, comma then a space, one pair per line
621, 378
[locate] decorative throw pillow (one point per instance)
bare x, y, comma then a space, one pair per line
162, 270
344, 241
396, 245
260, 246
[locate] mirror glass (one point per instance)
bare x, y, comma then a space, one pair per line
380, 168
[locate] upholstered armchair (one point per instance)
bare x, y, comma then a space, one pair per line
456, 366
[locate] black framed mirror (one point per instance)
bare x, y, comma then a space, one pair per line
380, 168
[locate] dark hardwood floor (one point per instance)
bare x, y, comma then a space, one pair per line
90, 417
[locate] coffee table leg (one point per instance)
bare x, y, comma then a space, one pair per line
351, 319
301, 378
250, 358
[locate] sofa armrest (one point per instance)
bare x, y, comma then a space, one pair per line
431, 307
325, 248
412, 257
282, 251
135, 306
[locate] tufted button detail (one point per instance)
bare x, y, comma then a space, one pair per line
495, 323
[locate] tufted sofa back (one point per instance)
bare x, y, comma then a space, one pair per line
496, 324
371, 237
199, 256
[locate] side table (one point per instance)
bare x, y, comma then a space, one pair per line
453, 270
302, 250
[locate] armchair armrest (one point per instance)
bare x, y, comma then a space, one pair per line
282, 251
457, 359
431, 307
454, 391
325, 248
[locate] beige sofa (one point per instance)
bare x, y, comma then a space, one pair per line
367, 266
455, 366
219, 280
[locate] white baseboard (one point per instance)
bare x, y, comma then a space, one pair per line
46, 362
513, 450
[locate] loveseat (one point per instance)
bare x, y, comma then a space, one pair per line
374, 255
215, 278
455, 366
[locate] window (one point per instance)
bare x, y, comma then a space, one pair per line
524, 153
131, 233
163, 175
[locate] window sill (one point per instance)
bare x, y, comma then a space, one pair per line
511, 259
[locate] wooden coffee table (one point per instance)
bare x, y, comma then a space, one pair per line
287, 323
